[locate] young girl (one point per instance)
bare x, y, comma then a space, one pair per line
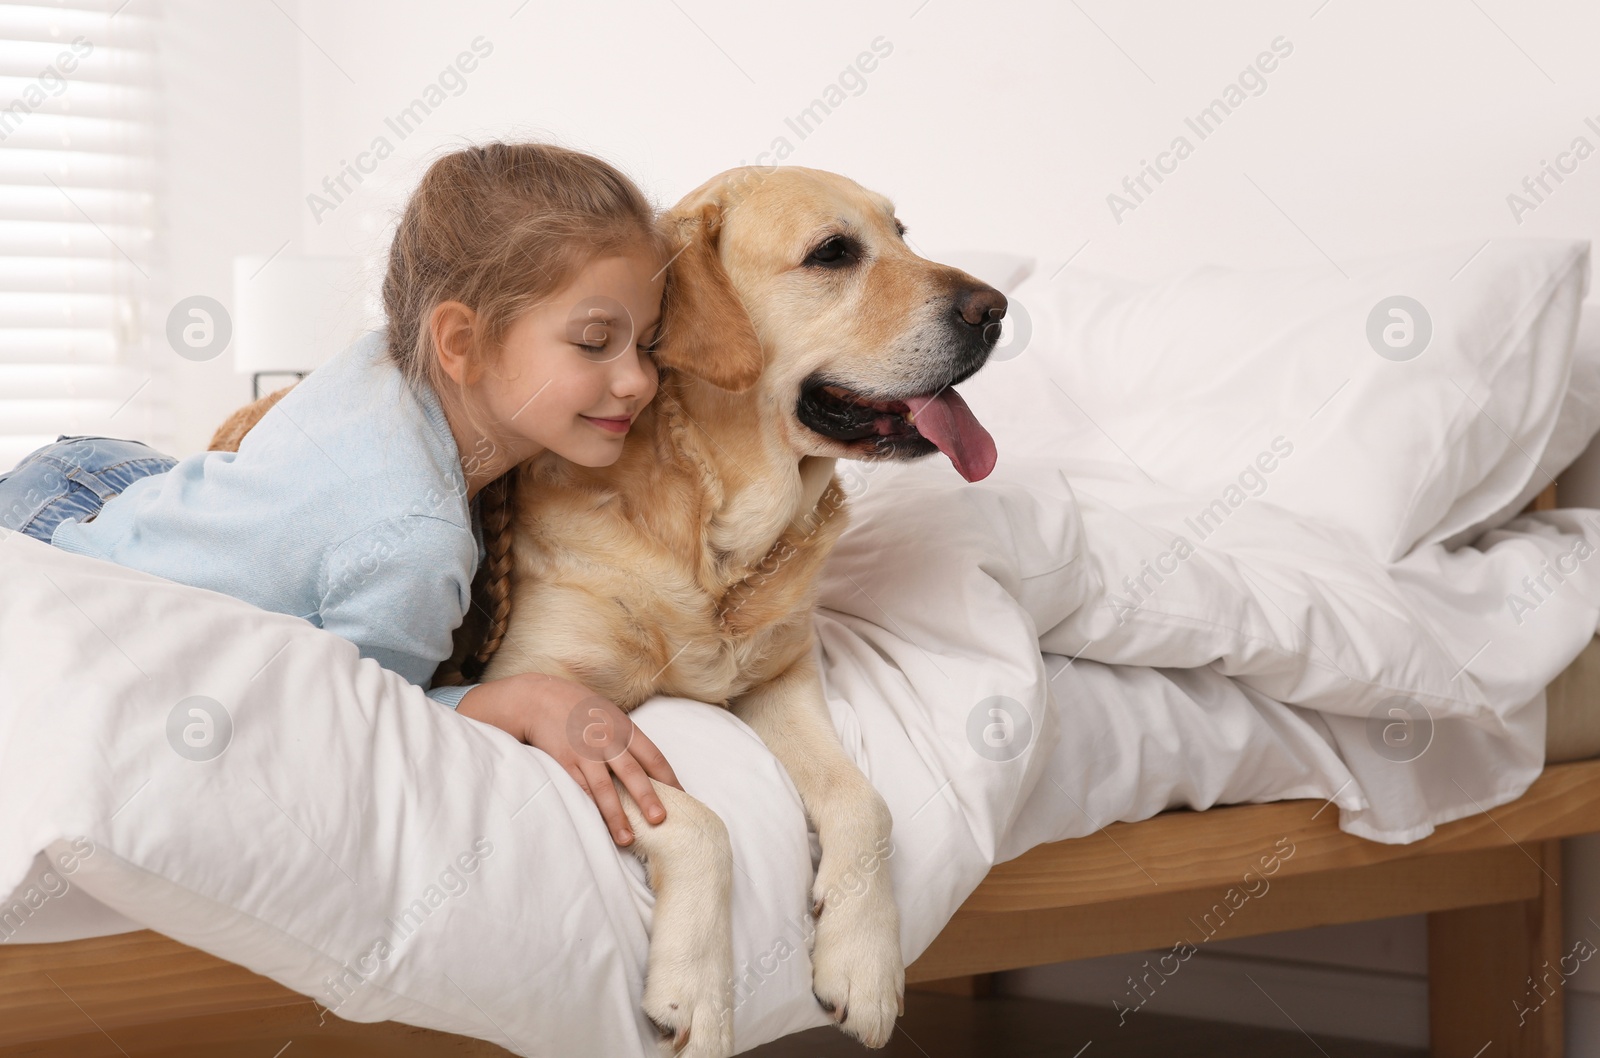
524, 285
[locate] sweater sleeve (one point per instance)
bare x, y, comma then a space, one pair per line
451, 696
397, 590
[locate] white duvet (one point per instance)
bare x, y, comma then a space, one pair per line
348, 812
1011, 662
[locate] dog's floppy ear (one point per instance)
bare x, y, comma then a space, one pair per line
705, 332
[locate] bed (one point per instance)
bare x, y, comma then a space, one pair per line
1307, 703
1494, 921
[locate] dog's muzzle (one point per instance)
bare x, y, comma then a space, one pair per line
923, 418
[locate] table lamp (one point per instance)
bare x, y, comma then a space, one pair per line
291, 313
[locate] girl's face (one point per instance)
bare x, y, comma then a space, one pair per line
575, 371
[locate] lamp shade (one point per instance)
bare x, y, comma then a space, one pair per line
291, 313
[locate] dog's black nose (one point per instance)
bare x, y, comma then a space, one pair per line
980, 307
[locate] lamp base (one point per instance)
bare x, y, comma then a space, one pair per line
255, 380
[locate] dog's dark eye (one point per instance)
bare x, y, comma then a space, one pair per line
900, 229
837, 252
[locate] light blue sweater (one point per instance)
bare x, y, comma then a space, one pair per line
345, 505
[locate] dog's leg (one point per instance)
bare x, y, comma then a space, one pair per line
688, 988
857, 971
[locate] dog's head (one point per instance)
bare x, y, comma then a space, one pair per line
799, 282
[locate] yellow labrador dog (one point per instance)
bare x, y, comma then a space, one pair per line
799, 328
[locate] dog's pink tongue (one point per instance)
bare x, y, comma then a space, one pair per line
945, 419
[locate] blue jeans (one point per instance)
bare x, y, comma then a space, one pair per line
72, 478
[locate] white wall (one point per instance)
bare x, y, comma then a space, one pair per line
1010, 124
1005, 126
1002, 125
230, 172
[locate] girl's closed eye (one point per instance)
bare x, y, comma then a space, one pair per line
593, 327
592, 335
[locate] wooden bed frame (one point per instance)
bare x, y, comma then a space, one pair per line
1488, 884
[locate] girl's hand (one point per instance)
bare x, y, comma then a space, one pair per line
586, 734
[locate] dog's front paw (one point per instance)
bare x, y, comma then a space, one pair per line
691, 1005
857, 973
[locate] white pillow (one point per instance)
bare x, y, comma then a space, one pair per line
1580, 482
1201, 378
1576, 424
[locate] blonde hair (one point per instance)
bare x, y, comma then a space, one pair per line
500, 228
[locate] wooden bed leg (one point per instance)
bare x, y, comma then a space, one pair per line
975, 986
1495, 981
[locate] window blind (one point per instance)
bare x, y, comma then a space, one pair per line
78, 114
